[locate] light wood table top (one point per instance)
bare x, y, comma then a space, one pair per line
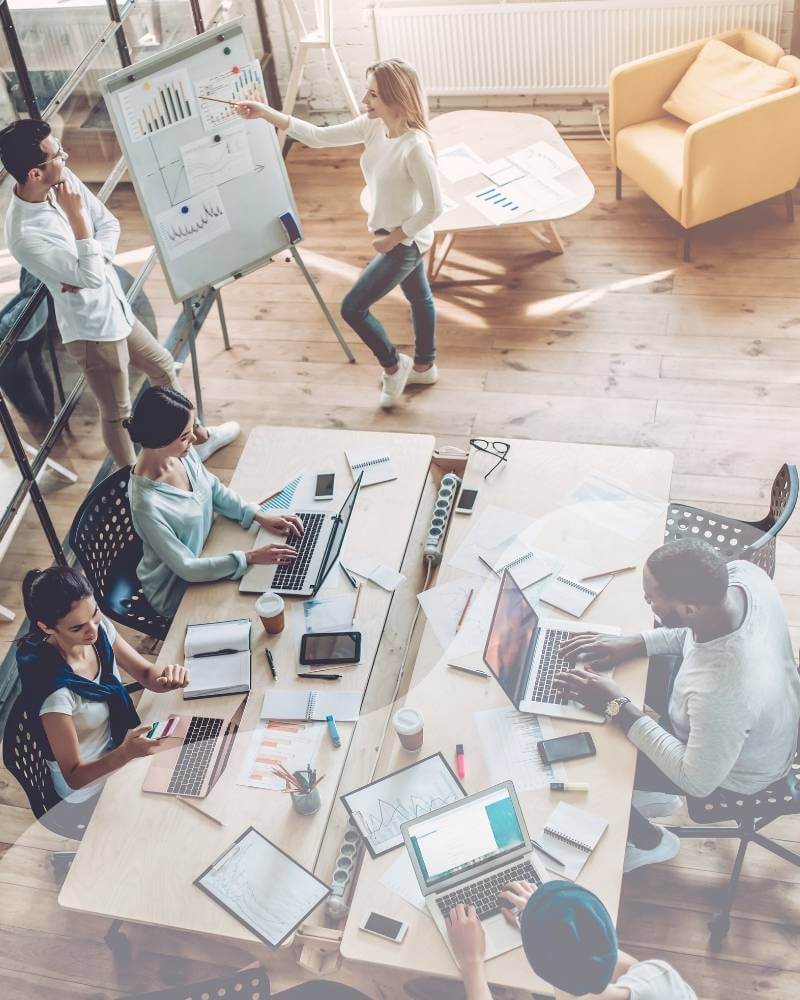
141, 851
537, 478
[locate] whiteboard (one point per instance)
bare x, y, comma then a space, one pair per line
211, 185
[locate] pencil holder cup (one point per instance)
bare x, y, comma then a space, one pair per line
306, 803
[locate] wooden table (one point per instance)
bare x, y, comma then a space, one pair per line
142, 852
538, 475
494, 134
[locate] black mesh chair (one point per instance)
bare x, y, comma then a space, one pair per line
750, 813
109, 550
734, 539
249, 984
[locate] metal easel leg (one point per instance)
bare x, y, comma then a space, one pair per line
222, 322
191, 331
326, 312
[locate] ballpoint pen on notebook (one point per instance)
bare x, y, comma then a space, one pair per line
215, 652
466, 608
355, 606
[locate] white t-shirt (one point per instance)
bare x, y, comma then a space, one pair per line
92, 721
655, 980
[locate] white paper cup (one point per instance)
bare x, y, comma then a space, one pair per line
269, 608
408, 724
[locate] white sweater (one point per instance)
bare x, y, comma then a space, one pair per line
401, 176
735, 705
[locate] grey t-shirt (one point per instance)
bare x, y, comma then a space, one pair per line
655, 980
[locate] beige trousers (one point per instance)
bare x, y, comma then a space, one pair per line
105, 365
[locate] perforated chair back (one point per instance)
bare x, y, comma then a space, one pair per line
249, 984
109, 550
733, 538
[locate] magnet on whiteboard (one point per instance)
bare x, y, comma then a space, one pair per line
217, 138
227, 50
184, 209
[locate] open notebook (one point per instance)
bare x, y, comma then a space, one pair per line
570, 835
313, 706
571, 592
376, 465
218, 657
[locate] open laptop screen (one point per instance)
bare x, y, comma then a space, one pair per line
510, 636
338, 533
478, 829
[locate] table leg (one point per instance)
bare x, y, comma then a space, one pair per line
547, 235
443, 244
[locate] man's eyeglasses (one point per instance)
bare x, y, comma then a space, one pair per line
499, 449
60, 154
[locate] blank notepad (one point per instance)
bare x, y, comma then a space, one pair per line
376, 465
570, 592
571, 835
313, 706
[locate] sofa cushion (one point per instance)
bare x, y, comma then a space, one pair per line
651, 153
722, 78
792, 65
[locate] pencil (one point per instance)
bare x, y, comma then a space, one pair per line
355, 606
607, 572
466, 606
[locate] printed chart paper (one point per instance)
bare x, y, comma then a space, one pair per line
157, 103
294, 745
215, 159
240, 83
458, 162
509, 742
543, 160
193, 223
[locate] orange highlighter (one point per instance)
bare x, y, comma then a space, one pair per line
461, 765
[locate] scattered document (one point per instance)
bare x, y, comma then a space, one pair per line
402, 881
370, 569
218, 158
329, 613
503, 171
509, 743
497, 204
543, 160
294, 745
458, 162
614, 506
494, 526
537, 195
193, 223
471, 637
444, 605
376, 465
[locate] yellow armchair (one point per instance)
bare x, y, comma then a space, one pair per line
718, 165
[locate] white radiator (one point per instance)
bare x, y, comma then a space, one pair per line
530, 48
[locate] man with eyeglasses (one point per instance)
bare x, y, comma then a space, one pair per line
60, 232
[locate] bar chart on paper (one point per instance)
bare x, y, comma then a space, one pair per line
157, 103
239, 83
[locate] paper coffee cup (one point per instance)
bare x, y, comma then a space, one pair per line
269, 608
408, 724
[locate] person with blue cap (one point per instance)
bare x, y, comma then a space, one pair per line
569, 939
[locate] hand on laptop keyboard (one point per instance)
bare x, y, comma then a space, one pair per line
513, 900
281, 524
269, 555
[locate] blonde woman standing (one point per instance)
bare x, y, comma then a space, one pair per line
400, 171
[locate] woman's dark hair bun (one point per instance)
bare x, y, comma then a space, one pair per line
48, 594
159, 417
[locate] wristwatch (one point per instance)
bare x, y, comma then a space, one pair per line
614, 707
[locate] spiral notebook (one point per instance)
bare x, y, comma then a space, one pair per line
570, 835
312, 706
376, 465
521, 562
570, 592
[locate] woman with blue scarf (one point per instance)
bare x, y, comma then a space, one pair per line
69, 666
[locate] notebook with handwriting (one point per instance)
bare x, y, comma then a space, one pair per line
218, 657
570, 592
376, 465
312, 706
570, 835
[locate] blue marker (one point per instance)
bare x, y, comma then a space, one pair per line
336, 739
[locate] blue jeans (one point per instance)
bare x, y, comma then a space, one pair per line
405, 267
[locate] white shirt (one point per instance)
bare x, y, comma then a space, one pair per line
735, 705
92, 721
401, 176
655, 980
39, 236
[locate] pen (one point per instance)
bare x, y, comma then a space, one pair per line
348, 574
547, 854
336, 739
468, 670
463, 613
355, 606
607, 572
321, 677
214, 652
568, 786
271, 663
461, 766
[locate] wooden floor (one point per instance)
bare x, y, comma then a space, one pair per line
616, 342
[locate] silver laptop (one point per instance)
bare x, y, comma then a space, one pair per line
317, 552
466, 852
522, 653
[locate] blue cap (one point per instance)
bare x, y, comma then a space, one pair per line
569, 938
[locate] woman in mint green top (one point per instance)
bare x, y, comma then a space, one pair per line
173, 501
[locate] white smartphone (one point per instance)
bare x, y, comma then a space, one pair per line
385, 927
324, 487
466, 501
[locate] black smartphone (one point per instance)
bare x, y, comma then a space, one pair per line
466, 501
567, 748
323, 490
319, 649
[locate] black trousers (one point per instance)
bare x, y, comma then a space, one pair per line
25, 379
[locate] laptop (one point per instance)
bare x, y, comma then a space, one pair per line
196, 754
317, 552
522, 653
466, 852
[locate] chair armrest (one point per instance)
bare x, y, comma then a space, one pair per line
740, 157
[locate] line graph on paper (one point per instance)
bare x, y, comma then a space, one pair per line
192, 223
379, 809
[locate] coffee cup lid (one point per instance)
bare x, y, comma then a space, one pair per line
269, 601
408, 721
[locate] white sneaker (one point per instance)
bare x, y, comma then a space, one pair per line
428, 377
392, 385
656, 804
218, 437
668, 849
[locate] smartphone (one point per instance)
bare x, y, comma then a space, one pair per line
566, 748
466, 501
324, 487
385, 927
319, 649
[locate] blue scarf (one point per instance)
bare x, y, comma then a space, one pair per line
42, 670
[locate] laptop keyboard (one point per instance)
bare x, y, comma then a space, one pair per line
483, 894
195, 756
550, 664
292, 576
